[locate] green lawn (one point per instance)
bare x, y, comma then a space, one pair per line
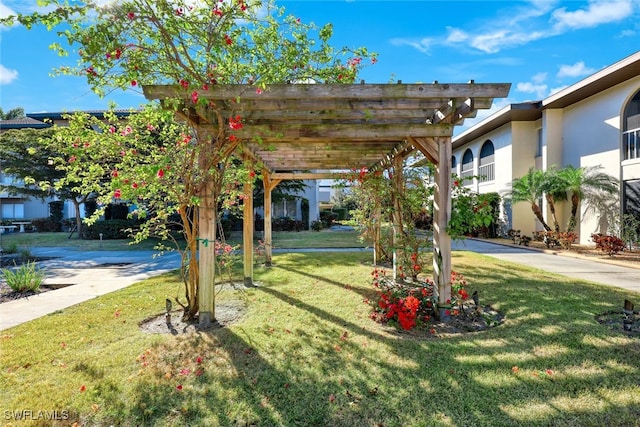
281, 239
29, 240
306, 353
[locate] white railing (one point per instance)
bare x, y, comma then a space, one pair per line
487, 172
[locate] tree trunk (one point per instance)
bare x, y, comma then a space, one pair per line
190, 266
538, 213
575, 202
76, 205
552, 208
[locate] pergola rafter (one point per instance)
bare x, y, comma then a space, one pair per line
308, 131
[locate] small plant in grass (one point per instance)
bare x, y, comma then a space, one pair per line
26, 255
25, 278
10, 248
412, 304
225, 259
611, 245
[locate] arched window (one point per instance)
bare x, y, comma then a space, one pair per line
454, 165
631, 129
467, 164
486, 166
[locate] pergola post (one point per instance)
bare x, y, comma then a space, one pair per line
396, 186
377, 226
206, 256
441, 217
268, 184
247, 233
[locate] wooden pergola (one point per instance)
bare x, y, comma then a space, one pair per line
309, 131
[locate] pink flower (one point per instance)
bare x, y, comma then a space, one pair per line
117, 193
259, 91
134, 83
228, 40
179, 387
160, 173
194, 97
131, 15
72, 159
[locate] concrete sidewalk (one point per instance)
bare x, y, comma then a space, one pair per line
559, 262
95, 273
92, 273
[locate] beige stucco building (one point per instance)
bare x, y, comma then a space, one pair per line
593, 122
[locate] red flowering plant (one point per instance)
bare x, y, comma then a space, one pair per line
412, 304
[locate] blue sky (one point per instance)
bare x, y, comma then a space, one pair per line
538, 46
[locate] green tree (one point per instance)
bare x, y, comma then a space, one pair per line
14, 113
25, 156
83, 159
584, 181
530, 189
195, 46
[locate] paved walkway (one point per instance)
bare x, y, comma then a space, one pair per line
96, 273
566, 264
93, 273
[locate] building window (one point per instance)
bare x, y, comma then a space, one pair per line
12, 210
539, 146
631, 198
486, 167
454, 165
467, 166
631, 129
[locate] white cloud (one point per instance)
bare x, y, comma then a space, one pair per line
576, 70
456, 35
5, 10
7, 75
539, 78
521, 24
597, 12
557, 89
423, 45
627, 33
536, 86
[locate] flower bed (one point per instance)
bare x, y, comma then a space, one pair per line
411, 304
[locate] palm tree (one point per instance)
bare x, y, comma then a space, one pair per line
580, 182
530, 188
554, 190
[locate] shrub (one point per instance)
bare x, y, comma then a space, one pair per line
27, 277
611, 245
286, 224
110, 229
328, 218
316, 225
46, 225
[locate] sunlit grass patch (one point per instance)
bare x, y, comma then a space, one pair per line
306, 353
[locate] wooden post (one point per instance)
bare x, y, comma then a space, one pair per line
396, 188
377, 225
206, 257
441, 216
268, 184
247, 233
